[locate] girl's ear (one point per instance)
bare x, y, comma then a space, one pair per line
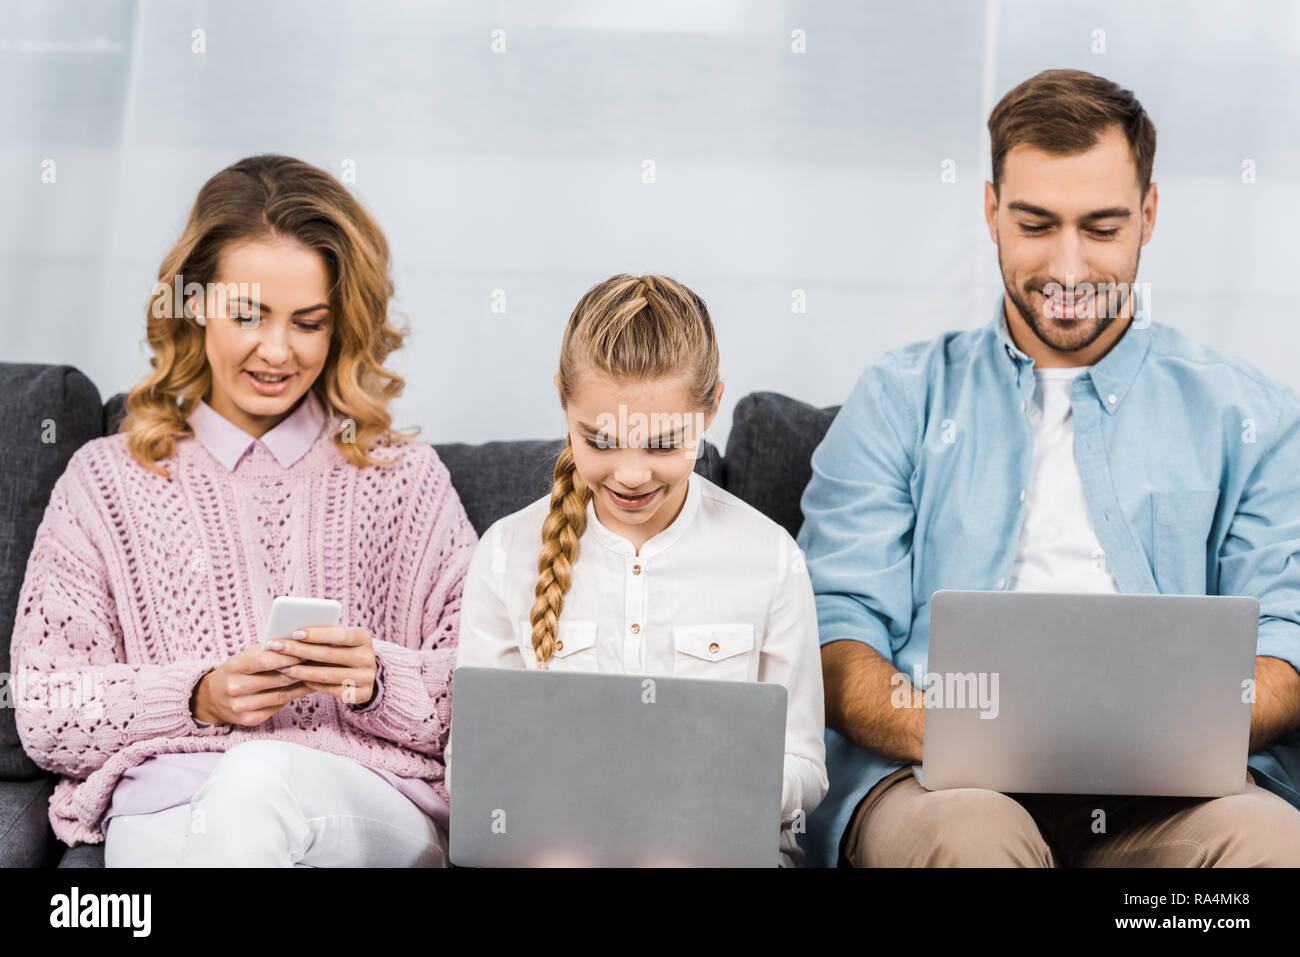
717, 403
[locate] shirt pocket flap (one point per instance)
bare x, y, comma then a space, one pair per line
713, 642
570, 637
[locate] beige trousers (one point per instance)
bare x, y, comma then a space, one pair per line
900, 824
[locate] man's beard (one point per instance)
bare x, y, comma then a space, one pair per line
1081, 332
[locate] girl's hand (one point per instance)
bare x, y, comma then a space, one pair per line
246, 688
337, 660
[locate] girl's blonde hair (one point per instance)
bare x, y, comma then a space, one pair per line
628, 330
265, 197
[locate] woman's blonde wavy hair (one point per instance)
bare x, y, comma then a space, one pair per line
628, 330
263, 197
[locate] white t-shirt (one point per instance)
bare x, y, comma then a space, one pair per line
1058, 549
721, 593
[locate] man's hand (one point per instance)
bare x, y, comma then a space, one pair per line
862, 690
337, 660
1276, 709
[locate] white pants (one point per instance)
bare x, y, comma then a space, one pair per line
277, 804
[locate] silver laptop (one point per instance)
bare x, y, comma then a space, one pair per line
1089, 694
563, 769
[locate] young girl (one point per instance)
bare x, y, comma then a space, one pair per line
256, 460
645, 566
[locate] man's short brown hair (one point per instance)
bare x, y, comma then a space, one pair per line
1066, 112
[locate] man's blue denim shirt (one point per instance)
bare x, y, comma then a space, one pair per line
1190, 463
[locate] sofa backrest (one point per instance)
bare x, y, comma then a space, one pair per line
769, 451
49, 412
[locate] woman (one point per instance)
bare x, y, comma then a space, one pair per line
256, 460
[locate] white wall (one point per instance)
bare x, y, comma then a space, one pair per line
522, 171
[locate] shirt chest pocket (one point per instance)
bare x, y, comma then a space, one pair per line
575, 646
1181, 531
721, 652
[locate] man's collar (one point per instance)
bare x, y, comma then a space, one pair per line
288, 441
1112, 374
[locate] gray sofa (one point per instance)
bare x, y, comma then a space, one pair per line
766, 464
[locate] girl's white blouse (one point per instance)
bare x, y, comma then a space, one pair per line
721, 593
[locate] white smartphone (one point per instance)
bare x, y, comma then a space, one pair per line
289, 613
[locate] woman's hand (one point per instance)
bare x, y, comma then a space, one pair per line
246, 688
337, 660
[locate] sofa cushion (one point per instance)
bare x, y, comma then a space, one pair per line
768, 452
49, 412
25, 836
493, 479
83, 855
114, 413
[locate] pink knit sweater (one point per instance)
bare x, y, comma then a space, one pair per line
137, 585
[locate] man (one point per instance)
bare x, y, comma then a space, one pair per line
1069, 445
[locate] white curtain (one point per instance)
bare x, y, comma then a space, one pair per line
504, 146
